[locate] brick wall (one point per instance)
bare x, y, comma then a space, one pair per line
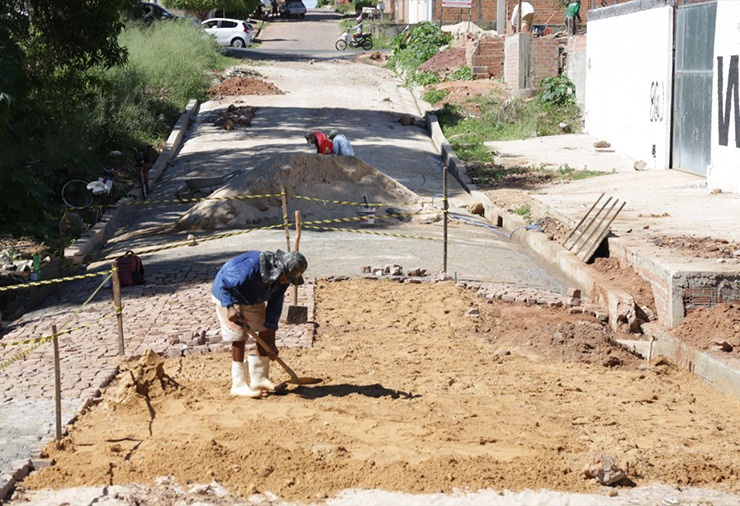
577, 45
483, 13
544, 58
486, 57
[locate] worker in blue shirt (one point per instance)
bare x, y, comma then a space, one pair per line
341, 145
249, 289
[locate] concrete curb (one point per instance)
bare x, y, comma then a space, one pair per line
76, 254
619, 304
722, 376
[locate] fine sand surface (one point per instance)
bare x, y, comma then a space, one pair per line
422, 394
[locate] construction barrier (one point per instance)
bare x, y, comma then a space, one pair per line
60, 330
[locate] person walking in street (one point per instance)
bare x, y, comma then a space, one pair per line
340, 144
573, 13
249, 290
321, 141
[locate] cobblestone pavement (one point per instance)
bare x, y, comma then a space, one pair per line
171, 314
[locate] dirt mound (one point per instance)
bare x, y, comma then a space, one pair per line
467, 94
142, 380
445, 61
699, 247
234, 86
706, 327
330, 187
232, 117
427, 389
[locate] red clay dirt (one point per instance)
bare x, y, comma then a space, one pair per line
236, 86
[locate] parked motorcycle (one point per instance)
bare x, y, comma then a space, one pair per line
365, 41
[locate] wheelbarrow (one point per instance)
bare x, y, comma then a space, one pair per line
200, 187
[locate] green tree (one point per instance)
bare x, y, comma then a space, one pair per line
201, 8
47, 48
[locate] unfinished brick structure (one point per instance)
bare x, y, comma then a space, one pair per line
484, 13
501, 58
485, 57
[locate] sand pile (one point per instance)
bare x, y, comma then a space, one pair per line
332, 187
141, 381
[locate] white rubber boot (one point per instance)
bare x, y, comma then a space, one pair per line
259, 372
240, 383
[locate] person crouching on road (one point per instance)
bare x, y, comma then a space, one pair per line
249, 289
340, 144
321, 141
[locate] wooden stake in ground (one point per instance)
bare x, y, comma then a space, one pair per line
446, 206
297, 240
297, 314
57, 384
285, 216
118, 307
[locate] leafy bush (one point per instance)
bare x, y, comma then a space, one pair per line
414, 47
422, 79
462, 74
557, 90
525, 211
434, 96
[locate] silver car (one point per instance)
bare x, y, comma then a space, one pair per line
229, 32
293, 8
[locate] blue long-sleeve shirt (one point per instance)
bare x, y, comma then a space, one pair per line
239, 282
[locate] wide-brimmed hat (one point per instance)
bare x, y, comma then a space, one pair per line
292, 264
333, 133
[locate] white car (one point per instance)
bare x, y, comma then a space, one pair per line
229, 32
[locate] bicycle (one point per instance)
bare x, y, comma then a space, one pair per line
142, 173
79, 194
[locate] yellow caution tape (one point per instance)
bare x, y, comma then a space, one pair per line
21, 355
371, 232
195, 241
54, 281
361, 204
40, 340
188, 200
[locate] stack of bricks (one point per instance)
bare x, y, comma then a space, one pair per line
486, 57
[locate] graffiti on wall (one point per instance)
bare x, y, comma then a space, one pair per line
728, 106
656, 101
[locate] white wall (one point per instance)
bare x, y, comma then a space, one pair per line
628, 90
724, 172
420, 10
